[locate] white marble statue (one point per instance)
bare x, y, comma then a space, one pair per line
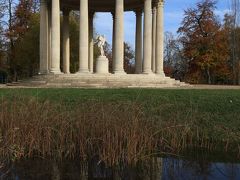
101, 40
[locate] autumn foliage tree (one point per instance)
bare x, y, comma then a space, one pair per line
19, 24
232, 26
205, 44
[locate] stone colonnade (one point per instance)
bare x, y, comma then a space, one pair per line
149, 40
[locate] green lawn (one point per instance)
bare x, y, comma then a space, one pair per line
219, 103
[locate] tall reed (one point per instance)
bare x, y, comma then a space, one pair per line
115, 132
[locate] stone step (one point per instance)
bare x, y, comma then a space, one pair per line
100, 81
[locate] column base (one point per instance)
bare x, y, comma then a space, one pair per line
83, 71
137, 71
55, 72
119, 72
161, 73
43, 72
147, 72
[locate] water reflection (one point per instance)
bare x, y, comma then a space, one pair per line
158, 168
199, 170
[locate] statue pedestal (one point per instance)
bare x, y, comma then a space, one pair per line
102, 65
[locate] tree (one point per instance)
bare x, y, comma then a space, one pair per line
233, 34
74, 42
204, 43
128, 59
1, 35
175, 65
20, 21
27, 49
232, 23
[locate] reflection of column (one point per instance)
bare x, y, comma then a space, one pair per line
138, 43
83, 37
55, 44
91, 43
154, 21
43, 37
159, 39
159, 166
66, 43
147, 46
56, 174
49, 37
119, 38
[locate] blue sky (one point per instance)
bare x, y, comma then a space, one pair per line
173, 16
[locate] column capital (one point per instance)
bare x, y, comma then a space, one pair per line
160, 3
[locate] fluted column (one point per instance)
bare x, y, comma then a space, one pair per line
160, 39
83, 37
91, 43
154, 21
113, 40
138, 43
119, 38
55, 44
49, 37
147, 46
66, 42
43, 37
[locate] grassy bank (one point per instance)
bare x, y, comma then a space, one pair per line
118, 125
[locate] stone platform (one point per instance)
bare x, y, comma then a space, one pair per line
100, 81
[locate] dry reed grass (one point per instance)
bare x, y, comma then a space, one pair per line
116, 132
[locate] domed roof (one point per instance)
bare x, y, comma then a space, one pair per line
104, 5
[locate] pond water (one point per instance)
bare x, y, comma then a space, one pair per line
159, 168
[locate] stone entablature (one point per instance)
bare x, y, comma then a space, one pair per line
105, 5
149, 39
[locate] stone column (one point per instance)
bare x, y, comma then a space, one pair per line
154, 21
160, 39
113, 42
66, 42
147, 46
91, 43
138, 43
49, 37
119, 38
43, 37
55, 39
83, 37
